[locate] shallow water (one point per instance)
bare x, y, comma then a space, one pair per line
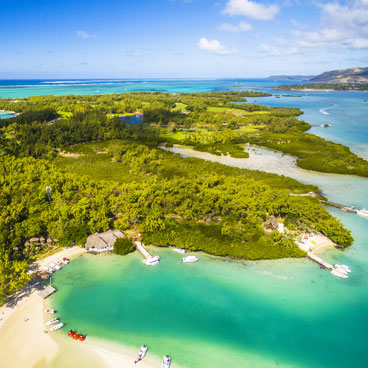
221, 313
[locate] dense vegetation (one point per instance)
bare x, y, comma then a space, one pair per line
55, 186
123, 246
323, 86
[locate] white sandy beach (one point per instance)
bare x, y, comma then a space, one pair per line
23, 342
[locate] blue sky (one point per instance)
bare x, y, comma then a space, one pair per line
180, 38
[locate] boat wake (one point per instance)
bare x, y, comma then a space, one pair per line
324, 110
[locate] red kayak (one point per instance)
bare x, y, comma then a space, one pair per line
70, 333
82, 337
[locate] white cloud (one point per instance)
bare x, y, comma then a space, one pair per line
215, 46
240, 27
134, 53
83, 34
251, 9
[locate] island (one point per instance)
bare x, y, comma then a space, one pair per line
71, 167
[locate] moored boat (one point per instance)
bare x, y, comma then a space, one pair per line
65, 260
51, 322
82, 337
55, 266
363, 212
166, 360
346, 268
56, 327
153, 261
142, 353
190, 259
58, 262
178, 250
71, 333
50, 311
339, 274
42, 275
75, 336
48, 270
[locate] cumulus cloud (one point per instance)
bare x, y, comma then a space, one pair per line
215, 46
343, 27
251, 9
240, 27
83, 34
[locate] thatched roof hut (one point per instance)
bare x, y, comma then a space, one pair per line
271, 223
42, 239
34, 240
49, 240
100, 242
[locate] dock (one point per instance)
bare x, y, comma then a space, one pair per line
46, 292
340, 206
142, 250
319, 260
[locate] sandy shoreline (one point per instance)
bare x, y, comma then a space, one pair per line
23, 342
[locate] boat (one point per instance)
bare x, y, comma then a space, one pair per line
339, 274
190, 259
363, 212
75, 336
48, 269
58, 262
42, 275
71, 333
50, 311
142, 353
56, 327
341, 269
53, 321
55, 267
166, 360
153, 261
65, 260
82, 337
178, 250
346, 268
325, 125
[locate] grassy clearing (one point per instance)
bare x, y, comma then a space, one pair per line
181, 107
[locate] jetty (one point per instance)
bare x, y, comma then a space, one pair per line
46, 292
142, 250
340, 206
319, 260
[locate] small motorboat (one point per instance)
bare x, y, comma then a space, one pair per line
190, 259
55, 266
142, 353
82, 337
56, 327
339, 274
54, 320
71, 333
50, 311
58, 262
65, 260
48, 270
42, 275
166, 360
346, 268
178, 250
341, 269
153, 261
363, 212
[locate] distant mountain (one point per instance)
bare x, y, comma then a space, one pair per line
291, 77
352, 75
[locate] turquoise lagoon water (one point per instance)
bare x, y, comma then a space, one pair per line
221, 313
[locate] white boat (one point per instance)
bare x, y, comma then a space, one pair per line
190, 259
48, 270
58, 262
339, 274
55, 267
142, 353
50, 311
153, 261
56, 327
340, 269
363, 212
166, 360
54, 320
65, 260
346, 268
177, 250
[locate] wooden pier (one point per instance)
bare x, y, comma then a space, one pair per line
142, 250
319, 260
46, 292
339, 206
